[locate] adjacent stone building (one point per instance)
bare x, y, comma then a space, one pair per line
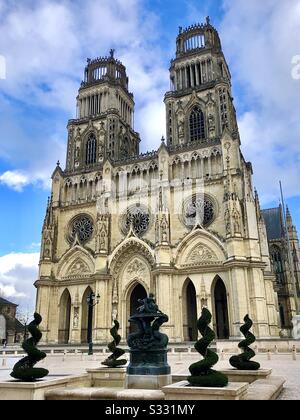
11, 329
278, 248
182, 222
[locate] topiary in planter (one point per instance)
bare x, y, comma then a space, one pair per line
24, 369
201, 373
242, 361
112, 361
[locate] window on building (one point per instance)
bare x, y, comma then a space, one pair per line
91, 150
197, 128
281, 313
277, 264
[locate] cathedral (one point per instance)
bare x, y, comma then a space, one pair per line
182, 222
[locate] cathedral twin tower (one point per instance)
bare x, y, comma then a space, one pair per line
182, 222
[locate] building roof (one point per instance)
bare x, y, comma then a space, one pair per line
6, 302
273, 221
13, 324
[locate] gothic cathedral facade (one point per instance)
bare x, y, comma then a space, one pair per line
182, 222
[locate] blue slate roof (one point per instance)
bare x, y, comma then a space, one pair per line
273, 221
6, 302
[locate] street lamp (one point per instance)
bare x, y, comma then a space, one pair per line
92, 301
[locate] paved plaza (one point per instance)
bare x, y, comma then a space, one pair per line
282, 365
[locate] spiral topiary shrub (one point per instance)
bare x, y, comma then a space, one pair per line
242, 361
24, 369
202, 374
112, 361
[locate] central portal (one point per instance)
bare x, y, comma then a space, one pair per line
137, 293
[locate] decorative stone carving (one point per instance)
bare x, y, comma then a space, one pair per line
227, 222
82, 228
47, 244
136, 269
77, 154
137, 218
164, 226
102, 234
101, 136
78, 268
76, 317
211, 125
236, 222
198, 209
202, 254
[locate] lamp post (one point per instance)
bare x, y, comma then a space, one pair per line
92, 301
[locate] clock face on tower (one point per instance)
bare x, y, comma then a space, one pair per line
82, 227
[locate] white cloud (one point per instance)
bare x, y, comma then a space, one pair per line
18, 272
262, 40
15, 180
45, 47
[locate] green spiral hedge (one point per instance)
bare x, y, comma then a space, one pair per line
242, 361
112, 361
201, 373
24, 369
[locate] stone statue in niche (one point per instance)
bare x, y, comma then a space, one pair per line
211, 125
181, 128
102, 234
103, 239
77, 154
76, 318
157, 229
164, 229
236, 222
227, 222
101, 151
47, 251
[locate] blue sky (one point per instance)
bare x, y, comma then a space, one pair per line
46, 44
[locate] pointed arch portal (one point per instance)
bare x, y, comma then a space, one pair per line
221, 310
84, 315
190, 331
64, 317
138, 292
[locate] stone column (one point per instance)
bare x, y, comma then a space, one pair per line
197, 75
164, 299
192, 76
186, 77
239, 299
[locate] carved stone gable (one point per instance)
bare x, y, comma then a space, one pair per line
202, 254
136, 268
79, 268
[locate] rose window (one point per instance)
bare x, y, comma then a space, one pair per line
83, 227
198, 209
138, 218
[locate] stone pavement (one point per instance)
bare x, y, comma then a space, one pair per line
282, 365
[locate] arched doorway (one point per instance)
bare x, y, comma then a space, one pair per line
84, 316
64, 317
190, 331
138, 292
221, 310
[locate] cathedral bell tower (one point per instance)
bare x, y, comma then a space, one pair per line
103, 128
199, 106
